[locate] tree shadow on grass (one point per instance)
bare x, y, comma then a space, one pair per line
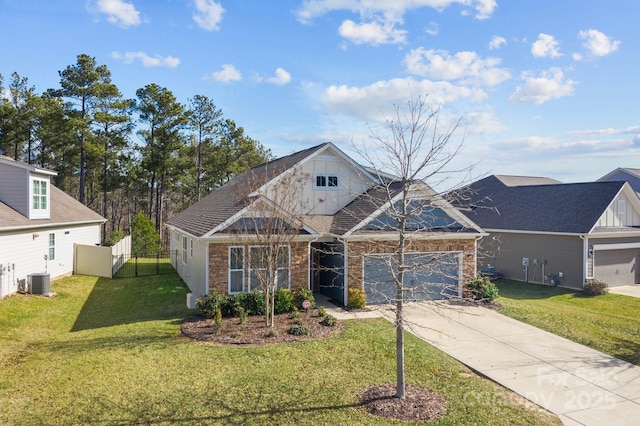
130, 300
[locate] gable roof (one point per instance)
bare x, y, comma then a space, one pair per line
558, 208
368, 213
509, 180
65, 210
227, 201
619, 171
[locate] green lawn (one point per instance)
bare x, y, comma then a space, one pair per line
608, 323
110, 352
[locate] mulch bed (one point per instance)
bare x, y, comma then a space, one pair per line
418, 404
255, 332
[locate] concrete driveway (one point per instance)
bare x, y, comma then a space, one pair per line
626, 290
580, 385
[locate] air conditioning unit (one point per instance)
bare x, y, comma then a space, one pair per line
39, 283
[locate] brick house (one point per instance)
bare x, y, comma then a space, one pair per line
342, 234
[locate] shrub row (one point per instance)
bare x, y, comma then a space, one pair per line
252, 303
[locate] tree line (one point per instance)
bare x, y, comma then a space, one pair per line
85, 131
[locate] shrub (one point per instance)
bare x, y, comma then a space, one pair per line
209, 304
322, 311
329, 321
302, 294
295, 313
217, 319
283, 301
356, 298
595, 287
481, 288
298, 330
243, 315
252, 302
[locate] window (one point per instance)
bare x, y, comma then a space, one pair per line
191, 248
260, 262
326, 181
236, 269
52, 246
39, 194
184, 250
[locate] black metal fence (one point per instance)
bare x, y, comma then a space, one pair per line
127, 266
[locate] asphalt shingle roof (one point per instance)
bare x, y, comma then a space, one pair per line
224, 202
64, 210
562, 208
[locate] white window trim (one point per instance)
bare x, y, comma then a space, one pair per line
327, 176
288, 267
229, 270
184, 249
39, 213
190, 248
52, 247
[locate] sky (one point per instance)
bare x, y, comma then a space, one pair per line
542, 88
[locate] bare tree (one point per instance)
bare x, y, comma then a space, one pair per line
415, 152
269, 227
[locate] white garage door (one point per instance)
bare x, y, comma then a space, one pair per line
432, 276
617, 267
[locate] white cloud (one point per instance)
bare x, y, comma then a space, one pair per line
545, 47
311, 9
598, 43
227, 74
118, 12
550, 84
497, 42
465, 66
374, 33
433, 28
208, 14
147, 61
280, 78
371, 102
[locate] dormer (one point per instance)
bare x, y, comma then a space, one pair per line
26, 188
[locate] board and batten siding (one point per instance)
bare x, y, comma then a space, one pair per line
619, 213
505, 252
193, 269
26, 249
327, 201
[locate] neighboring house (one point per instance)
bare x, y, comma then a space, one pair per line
344, 237
39, 225
630, 175
556, 233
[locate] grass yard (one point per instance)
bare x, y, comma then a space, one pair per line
110, 352
608, 323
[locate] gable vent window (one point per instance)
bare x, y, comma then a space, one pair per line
326, 181
622, 206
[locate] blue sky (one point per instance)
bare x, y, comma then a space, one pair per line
545, 87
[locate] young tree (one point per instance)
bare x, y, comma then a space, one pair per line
269, 228
414, 151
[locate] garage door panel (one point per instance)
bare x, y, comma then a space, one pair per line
429, 278
617, 267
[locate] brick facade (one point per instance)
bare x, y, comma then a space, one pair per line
219, 266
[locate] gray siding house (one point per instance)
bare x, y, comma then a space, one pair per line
547, 232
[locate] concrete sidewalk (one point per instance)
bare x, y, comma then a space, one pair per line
626, 290
580, 385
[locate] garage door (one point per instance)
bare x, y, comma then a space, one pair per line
616, 267
432, 276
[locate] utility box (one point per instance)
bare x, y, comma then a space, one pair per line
191, 301
39, 283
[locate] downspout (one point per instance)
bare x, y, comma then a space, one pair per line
206, 262
345, 278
